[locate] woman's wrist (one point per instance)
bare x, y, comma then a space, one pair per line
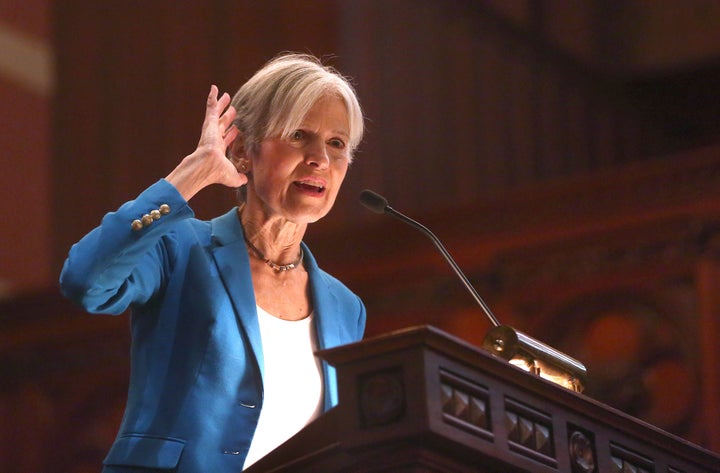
187, 178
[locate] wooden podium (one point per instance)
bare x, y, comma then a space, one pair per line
420, 400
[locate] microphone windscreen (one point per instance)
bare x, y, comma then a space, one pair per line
373, 201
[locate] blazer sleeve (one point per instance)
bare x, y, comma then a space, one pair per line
119, 264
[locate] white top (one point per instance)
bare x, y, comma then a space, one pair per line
292, 382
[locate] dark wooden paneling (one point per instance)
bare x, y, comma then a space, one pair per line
463, 104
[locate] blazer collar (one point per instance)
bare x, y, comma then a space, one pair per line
232, 260
325, 303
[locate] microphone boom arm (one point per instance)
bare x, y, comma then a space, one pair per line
436, 241
503, 341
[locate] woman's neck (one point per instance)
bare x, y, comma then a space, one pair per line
278, 239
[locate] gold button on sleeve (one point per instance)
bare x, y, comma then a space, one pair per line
136, 225
164, 209
146, 219
155, 214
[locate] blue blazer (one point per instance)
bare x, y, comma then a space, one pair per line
196, 385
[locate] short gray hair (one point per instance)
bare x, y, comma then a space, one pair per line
274, 101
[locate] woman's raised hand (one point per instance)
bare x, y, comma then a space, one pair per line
208, 164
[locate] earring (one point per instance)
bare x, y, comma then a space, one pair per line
243, 167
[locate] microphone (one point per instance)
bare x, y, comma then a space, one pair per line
514, 346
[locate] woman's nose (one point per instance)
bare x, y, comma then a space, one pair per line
316, 155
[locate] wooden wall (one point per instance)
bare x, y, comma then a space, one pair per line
560, 193
26, 88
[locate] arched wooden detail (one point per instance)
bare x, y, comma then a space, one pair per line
643, 359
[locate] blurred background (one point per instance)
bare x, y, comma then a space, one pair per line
567, 152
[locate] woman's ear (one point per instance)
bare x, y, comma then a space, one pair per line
238, 156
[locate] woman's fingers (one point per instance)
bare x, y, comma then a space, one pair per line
217, 135
212, 99
219, 115
223, 101
230, 134
227, 117
215, 106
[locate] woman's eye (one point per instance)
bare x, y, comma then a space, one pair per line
337, 143
297, 135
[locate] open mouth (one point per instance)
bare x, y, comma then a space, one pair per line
310, 187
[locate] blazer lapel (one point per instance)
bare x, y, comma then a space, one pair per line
232, 261
327, 325
325, 304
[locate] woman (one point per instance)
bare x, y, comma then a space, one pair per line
226, 314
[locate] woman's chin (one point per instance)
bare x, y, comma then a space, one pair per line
302, 215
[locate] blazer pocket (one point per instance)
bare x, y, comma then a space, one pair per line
146, 452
